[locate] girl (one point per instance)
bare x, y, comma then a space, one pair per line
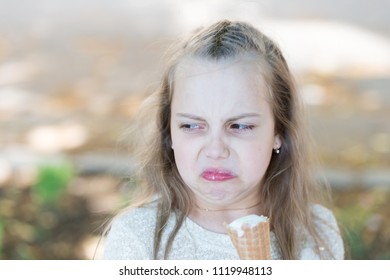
229, 142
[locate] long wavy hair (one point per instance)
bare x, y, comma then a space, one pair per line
289, 187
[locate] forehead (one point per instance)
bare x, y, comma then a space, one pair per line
233, 84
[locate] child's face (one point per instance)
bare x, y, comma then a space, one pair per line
222, 131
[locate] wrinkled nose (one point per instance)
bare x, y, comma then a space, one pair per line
216, 148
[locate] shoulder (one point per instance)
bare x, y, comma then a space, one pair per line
325, 221
322, 215
136, 218
327, 228
131, 234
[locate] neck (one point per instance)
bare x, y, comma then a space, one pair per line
227, 209
213, 219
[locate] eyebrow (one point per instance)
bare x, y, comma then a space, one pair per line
235, 118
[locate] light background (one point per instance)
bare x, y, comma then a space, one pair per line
73, 73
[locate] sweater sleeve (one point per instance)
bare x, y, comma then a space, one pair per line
123, 243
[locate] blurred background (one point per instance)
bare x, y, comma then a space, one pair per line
73, 73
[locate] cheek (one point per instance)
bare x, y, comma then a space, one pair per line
254, 161
185, 153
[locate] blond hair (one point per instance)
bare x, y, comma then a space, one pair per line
288, 188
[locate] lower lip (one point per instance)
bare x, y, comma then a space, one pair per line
217, 176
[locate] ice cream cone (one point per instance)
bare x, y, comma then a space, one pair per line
252, 242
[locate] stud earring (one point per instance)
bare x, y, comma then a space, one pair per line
277, 150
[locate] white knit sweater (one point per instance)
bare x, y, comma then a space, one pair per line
131, 237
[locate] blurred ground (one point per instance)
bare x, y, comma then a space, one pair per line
72, 77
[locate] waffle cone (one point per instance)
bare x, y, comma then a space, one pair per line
254, 244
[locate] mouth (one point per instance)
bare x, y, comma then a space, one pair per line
217, 175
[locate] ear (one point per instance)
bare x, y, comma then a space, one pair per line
277, 141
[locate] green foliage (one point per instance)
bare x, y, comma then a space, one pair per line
354, 218
362, 215
52, 181
2, 228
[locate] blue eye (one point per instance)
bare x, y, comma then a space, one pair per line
190, 127
241, 127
